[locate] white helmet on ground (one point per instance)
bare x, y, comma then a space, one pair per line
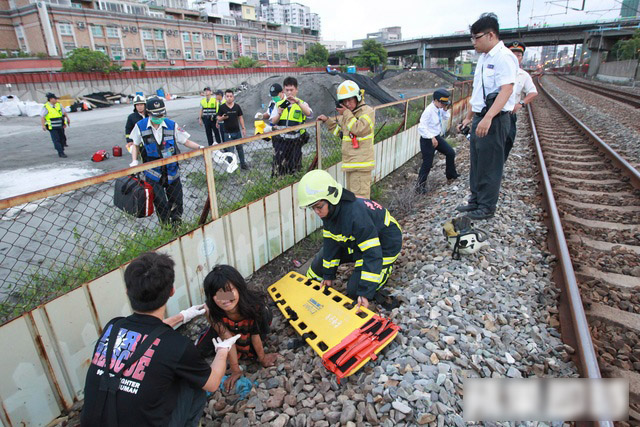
462, 238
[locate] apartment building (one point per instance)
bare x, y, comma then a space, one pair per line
384, 35
159, 32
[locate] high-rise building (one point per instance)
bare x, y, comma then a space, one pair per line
384, 35
295, 15
630, 8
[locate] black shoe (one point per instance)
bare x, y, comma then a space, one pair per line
64, 156
456, 176
65, 145
466, 208
479, 214
244, 166
421, 190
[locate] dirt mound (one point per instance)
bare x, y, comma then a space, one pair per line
415, 80
314, 88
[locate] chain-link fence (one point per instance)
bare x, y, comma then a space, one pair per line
54, 240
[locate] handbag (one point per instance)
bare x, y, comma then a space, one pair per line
134, 196
488, 99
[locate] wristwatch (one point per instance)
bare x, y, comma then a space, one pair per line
522, 103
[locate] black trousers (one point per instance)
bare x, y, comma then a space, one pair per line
288, 155
487, 162
427, 149
59, 139
210, 129
508, 145
168, 201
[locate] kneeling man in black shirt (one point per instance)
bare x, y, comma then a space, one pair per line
142, 372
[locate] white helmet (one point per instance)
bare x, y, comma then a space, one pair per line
462, 238
139, 99
230, 160
349, 89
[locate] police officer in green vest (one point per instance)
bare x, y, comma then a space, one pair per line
208, 110
54, 119
291, 111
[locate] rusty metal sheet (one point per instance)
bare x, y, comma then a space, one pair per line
241, 241
214, 245
196, 264
109, 297
258, 228
286, 217
273, 221
180, 299
299, 217
26, 395
74, 332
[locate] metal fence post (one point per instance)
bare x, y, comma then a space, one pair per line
319, 144
211, 183
406, 114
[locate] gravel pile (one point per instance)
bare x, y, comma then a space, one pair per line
617, 124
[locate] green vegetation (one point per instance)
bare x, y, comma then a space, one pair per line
85, 60
371, 54
317, 56
247, 62
22, 54
626, 49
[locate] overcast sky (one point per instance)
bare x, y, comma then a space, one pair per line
352, 19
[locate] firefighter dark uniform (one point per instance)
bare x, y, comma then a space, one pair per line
357, 163
355, 230
209, 111
288, 146
54, 119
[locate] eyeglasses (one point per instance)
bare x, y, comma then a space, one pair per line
317, 206
475, 38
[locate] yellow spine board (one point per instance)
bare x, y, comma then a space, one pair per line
324, 317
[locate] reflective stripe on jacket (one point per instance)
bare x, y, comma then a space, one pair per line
361, 123
292, 116
54, 117
209, 108
151, 150
365, 229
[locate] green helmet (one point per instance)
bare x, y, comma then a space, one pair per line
318, 185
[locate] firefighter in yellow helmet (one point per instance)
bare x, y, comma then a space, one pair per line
355, 124
354, 230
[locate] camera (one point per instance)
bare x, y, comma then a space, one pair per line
285, 104
465, 130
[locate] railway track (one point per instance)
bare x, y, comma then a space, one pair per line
593, 200
615, 94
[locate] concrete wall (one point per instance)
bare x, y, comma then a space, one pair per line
618, 71
172, 85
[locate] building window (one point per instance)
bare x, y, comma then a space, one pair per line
22, 40
254, 42
162, 53
187, 54
150, 52
68, 47
254, 55
102, 49
116, 53
227, 39
113, 32
158, 34
276, 57
229, 56
185, 36
65, 29
76, 5
275, 45
198, 54
147, 35
96, 30
221, 55
218, 39
195, 37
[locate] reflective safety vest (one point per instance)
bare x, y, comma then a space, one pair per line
151, 150
292, 116
359, 123
209, 108
54, 117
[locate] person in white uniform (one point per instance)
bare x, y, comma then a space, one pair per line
492, 100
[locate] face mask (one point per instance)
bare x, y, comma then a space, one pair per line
275, 98
157, 120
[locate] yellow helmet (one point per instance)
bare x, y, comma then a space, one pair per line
349, 89
318, 185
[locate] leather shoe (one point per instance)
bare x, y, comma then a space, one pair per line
64, 156
244, 166
466, 208
479, 214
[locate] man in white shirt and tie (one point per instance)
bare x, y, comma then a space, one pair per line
492, 101
524, 85
431, 128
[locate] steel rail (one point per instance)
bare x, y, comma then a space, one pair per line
626, 168
585, 350
616, 95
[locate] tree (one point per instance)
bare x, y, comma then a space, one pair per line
371, 54
317, 56
247, 62
626, 49
85, 60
